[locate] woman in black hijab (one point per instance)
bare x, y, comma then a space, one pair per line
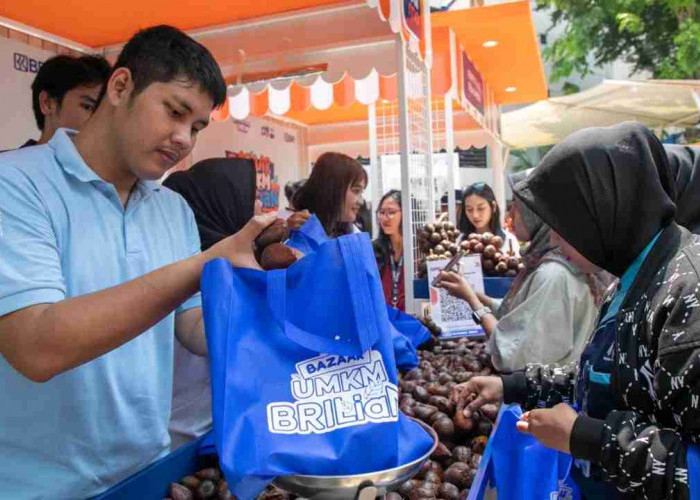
221, 193
685, 166
605, 195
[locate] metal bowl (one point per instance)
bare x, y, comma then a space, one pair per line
360, 486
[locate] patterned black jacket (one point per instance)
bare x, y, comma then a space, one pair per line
655, 378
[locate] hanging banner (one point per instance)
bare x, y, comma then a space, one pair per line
473, 84
267, 184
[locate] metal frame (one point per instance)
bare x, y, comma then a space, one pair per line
407, 219
428, 117
451, 167
374, 165
416, 155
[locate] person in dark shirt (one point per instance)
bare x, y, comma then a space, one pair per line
65, 93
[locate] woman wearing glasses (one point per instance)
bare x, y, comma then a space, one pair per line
388, 248
480, 214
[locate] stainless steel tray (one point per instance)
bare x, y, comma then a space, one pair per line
361, 486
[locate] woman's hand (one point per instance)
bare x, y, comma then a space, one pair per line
476, 393
298, 219
457, 286
552, 427
486, 300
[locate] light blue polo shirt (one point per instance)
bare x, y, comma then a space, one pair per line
64, 233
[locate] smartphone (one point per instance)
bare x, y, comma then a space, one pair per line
454, 261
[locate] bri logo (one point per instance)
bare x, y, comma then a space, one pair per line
26, 64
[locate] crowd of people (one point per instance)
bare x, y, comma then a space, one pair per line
101, 331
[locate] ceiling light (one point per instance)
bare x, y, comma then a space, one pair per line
490, 43
511, 89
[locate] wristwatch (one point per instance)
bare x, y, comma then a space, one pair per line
478, 315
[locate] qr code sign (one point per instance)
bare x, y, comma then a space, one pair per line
454, 315
451, 308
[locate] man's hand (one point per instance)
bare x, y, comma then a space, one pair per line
238, 249
552, 427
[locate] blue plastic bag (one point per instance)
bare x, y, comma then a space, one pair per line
693, 461
303, 372
407, 330
519, 468
404, 352
409, 326
308, 237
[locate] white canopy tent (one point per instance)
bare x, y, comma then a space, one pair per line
656, 103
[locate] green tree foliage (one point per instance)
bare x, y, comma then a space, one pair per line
659, 36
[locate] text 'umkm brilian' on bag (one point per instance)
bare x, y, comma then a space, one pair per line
332, 392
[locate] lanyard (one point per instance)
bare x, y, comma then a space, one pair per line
396, 268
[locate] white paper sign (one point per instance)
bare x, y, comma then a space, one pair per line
451, 314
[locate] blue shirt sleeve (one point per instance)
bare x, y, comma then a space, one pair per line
30, 264
193, 246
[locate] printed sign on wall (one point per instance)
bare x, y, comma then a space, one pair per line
26, 64
268, 189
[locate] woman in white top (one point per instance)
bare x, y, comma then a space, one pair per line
550, 310
480, 214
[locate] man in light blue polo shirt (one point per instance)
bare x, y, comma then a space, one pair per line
99, 270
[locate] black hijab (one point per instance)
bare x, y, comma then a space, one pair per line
220, 192
685, 167
605, 191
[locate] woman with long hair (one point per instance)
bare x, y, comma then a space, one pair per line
333, 192
480, 214
388, 248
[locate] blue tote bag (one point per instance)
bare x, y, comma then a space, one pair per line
519, 468
410, 327
308, 237
408, 332
303, 371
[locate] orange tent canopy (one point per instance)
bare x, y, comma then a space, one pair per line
515, 61
97, 24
